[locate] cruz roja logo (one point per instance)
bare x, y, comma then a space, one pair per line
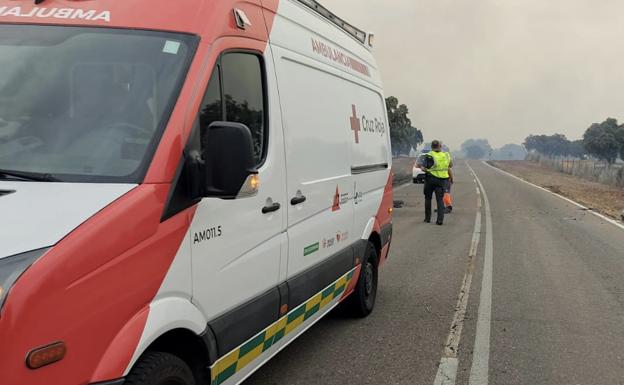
375, 125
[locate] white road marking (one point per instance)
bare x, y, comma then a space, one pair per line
447, 370
601, 216
481, 353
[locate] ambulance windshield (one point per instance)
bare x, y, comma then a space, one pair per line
86, 104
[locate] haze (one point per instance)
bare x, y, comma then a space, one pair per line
499, 70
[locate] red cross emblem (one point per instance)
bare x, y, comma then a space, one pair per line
355, 124
336, 205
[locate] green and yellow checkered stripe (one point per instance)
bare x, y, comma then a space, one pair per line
239, 358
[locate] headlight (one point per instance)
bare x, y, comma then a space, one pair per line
11, 268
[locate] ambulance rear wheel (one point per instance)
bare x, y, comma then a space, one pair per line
361, 303
157, 368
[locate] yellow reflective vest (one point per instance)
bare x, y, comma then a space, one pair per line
442, 162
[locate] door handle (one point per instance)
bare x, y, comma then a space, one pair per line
271, 208
298, 200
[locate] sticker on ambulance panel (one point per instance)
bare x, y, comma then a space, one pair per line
171, 47
311, 249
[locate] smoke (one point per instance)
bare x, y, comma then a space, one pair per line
497, 69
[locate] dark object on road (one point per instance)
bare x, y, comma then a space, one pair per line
398, 204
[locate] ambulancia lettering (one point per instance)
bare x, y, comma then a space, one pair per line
57, 13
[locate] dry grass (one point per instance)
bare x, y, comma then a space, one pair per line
587, 169
608, 200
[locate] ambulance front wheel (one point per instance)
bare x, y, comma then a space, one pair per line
157, 368
361, 303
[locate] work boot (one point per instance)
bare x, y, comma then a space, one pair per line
448, 210
439, 223
427, 220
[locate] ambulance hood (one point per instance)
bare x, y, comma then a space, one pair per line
34, 215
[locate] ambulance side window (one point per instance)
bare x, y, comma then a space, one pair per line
235, 93
244, 96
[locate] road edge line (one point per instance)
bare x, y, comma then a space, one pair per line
599, 215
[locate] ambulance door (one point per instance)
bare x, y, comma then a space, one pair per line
237, 243
320, 187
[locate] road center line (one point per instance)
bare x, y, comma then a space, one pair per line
481, 353
447, 370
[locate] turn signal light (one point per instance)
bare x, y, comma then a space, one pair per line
46, 355
255, 182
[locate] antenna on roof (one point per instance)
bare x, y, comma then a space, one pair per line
326, 13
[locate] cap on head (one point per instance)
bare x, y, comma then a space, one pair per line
436, 145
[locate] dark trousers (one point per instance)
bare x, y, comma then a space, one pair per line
437, 186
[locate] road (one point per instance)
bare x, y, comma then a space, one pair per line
548, 307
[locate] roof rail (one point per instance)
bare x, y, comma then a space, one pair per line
357, 33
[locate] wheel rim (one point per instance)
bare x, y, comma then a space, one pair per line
369, 283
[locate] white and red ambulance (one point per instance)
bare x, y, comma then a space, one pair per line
185, 186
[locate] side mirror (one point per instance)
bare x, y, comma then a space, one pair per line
228, 156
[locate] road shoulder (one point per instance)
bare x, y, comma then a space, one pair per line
602, 199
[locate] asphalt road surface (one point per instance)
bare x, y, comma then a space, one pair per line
540, 301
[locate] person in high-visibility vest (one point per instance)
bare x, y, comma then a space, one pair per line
437, 179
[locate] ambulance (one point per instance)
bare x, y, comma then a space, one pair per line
185, 186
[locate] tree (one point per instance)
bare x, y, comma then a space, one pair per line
476, 148
604, 140
403, 135
550, 145
620, 137
555, 145
577, 149
510, 152
474, 152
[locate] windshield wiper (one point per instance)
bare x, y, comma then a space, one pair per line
28, 176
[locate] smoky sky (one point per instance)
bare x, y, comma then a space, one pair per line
499, 70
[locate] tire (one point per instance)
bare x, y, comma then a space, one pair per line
415, 180
157, 368
362, 302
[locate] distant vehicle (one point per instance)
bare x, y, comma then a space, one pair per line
185, 187
418, 175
